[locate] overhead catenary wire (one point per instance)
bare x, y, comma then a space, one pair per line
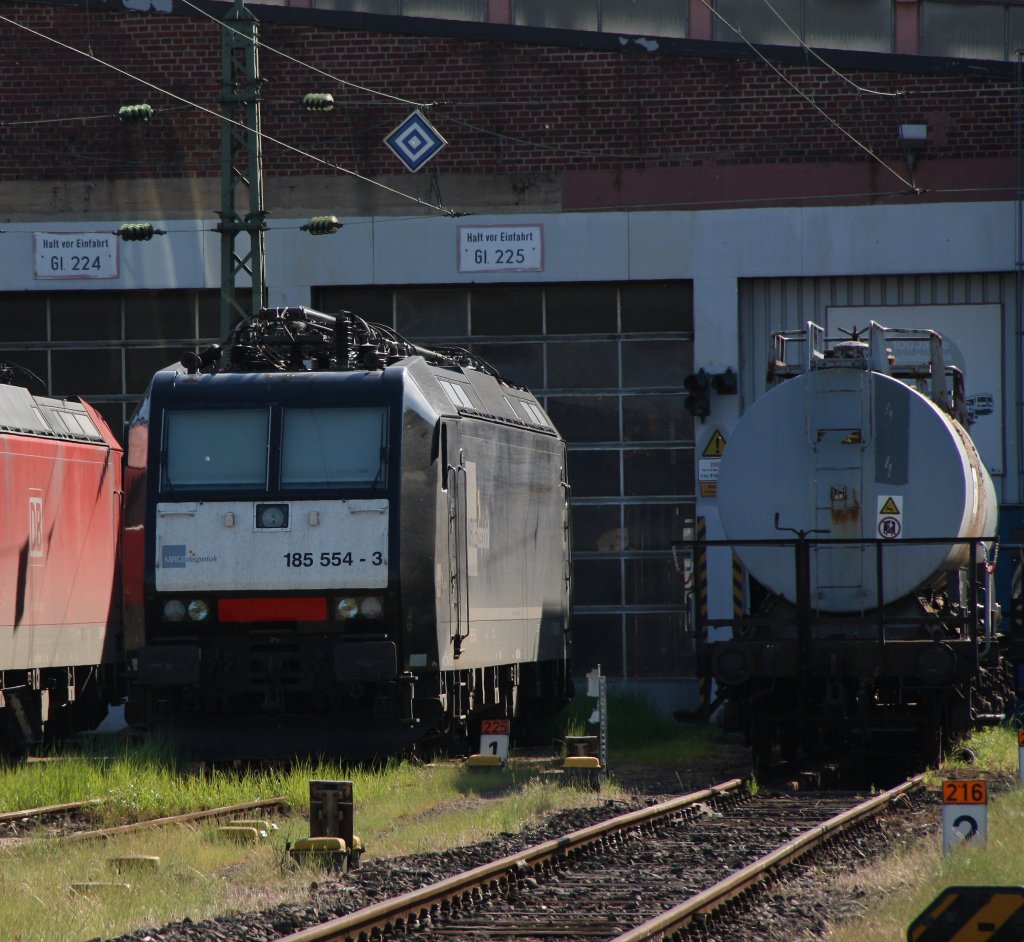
828, 65
864, 147
220, 117
599, 154
308, 65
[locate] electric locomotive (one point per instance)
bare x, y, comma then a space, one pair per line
339, 542
59, 557
862, 523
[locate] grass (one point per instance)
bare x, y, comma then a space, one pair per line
637, 735
900, 887
400, 808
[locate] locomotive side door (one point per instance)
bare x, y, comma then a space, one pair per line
456, 484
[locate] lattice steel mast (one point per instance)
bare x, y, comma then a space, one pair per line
241, 178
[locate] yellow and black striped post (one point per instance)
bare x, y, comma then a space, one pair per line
737, 593
700, 585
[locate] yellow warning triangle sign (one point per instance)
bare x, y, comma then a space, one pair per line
889, 507
715, 445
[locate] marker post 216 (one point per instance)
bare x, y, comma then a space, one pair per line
964, 812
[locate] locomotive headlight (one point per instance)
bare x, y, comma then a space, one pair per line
371, 607
198, 610
174, 610
345, 608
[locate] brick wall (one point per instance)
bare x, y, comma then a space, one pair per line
505, 108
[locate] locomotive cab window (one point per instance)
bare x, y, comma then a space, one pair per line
221, 449
333, 447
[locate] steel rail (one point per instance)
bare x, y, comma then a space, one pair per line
704, 902
186, 818
380, 916
7, 817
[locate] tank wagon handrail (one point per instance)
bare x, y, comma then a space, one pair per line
969, 622
830, 541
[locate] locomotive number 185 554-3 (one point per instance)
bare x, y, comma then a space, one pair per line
302, 560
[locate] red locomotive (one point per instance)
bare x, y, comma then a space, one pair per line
59, 552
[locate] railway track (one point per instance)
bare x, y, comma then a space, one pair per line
651, 874
15, 823
68, 822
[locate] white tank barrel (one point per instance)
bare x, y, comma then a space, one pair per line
845, 452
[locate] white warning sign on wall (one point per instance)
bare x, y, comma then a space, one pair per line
889, 524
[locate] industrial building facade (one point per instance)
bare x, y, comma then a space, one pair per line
629, 192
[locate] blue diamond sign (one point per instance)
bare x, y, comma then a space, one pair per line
415, 141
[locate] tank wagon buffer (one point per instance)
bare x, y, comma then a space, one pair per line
863, 522
342, 543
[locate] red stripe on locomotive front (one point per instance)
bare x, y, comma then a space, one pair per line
272, 609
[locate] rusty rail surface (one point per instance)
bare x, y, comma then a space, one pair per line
258, 805
7, 817
404, 911
378, 918
702, 903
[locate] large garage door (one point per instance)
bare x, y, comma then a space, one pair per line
608, 361
103, 345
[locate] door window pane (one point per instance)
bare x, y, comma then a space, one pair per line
647, 363
652, 582
655, 418
645, 17
596, 527
389, 7
583, 364
31, 368
23, 317
585, 418
657, 308
507, 311
521, 363
565, 14
849, 24
973, 31
431, 313
654, 472
657, 645
140, 363
596, 582
581, 309
757, 23
656, 526
597, 639
158, 315
86, 372
85, 316
594, 473
371, 304
474, 10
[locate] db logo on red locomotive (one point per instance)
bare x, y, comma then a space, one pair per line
36, 544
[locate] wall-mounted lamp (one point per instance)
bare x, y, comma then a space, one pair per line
913, 138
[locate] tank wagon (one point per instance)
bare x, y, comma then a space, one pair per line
60, 656
862, 524
340, 542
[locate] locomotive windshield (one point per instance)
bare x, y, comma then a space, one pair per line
332, 447
216, 449
241, 449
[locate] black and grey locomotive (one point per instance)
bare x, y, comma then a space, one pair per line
345, 543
